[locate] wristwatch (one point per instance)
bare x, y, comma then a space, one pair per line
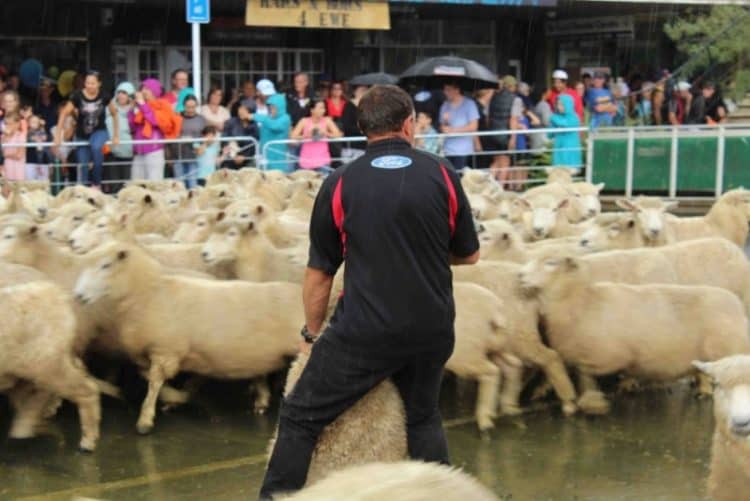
307, 335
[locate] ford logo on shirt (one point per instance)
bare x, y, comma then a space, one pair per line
391, 162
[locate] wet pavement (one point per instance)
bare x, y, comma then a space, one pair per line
655, 445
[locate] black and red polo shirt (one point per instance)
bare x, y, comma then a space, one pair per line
395, 215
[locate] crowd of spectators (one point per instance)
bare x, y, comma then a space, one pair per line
257, 114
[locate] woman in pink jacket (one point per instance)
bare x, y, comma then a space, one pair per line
148, 159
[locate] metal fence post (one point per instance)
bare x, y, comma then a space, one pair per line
630, 163
720, 142
673, 164
590, 157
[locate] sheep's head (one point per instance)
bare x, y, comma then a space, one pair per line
224, 243
130, 197
542, 215
611, 231
173, 200
19, 240
508, 207
196, 230
101, 279
739, 197
35, 202
649, 213
95, 231
71, 217
584, 200
731, 396
538, 274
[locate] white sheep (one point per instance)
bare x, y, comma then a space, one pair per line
69, 217
402, 481
561, 175
248, 254
545, 217
647, 331
730, 452
196, 229
523, 338
504, 243
373, 429
727, 218
583, 196
480, 344
169, 323
282, 230
651, 219
32, 198
37, 338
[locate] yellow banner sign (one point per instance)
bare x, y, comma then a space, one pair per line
335, 14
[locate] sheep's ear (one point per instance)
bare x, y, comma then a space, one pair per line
222, 193
190, 195
91, 201
626, 204
148, 199
33, 230
259, 209
499, 321
524, 203
122, 255
250, 226
571, 263
708, 368
671, 206
564, 203
599, 187
220, 216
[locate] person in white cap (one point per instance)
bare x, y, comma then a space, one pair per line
560, 86
679, 103
265, 89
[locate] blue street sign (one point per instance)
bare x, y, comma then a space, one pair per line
198, 11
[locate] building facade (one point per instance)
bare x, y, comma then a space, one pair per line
135, 39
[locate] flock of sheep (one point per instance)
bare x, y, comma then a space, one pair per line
208, 281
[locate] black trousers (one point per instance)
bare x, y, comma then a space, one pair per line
334, 379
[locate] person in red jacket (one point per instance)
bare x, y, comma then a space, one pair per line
560, 86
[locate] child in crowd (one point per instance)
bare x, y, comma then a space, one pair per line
567, 149
206, 153
37, 160
424, 126
14, 168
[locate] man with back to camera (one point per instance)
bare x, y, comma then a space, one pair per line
399, 218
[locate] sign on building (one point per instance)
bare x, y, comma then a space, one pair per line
590, 25
332, 14
198, 11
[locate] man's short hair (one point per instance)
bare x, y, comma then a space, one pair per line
383, 109
179, 70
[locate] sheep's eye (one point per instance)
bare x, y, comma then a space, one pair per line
77, 219
101, 225
233, 234
201, 224
8, 237
578, 195
106, 266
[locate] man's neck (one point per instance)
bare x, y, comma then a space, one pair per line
384, 137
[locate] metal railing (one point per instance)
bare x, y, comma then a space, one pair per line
674, 134
290, 150
244, 148
526, 167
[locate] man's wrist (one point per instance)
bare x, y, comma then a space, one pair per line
308, 335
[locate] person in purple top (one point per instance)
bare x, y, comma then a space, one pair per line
148, 159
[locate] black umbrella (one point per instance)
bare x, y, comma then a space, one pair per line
436, 71
374, 79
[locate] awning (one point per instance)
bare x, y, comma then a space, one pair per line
331, 14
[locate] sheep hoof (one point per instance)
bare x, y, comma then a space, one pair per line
569, 408
87, 446
485, 436
593, 402
702, 395
144, 429
485, 424
541, 392
260, 410
511, 410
